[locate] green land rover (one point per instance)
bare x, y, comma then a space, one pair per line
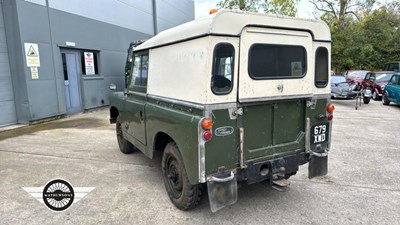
232, 97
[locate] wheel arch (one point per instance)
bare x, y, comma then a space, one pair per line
161, 139
113, 114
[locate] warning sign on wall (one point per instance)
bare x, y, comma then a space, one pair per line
89, 63
32, 55
34, 73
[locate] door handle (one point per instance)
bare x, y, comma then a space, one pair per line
141, 115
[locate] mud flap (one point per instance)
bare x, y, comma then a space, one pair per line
221, 191
318, 166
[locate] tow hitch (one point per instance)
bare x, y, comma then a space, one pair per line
279, 182
281, 185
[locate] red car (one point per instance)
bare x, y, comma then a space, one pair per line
377, 81
355, 76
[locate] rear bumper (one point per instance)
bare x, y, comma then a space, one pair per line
272, 169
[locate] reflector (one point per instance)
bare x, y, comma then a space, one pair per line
207, 135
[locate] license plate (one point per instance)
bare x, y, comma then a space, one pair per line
319, 133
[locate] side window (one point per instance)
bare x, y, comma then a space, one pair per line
394, 80
385, 67
321, 67
222, 71
396, 67
140, 69
268, 61
372, 76
367, 76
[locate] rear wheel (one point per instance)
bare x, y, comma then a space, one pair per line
124, 146
385, 99
182, 194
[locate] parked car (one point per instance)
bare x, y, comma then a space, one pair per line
341, 88
392, 66
376, 81
392, 90
355, 76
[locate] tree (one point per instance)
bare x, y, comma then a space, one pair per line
338, 11
245, 5
382, 29
282, 7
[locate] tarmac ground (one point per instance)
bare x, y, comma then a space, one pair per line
362, 185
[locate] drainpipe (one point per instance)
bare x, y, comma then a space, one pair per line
60, 106
155, 17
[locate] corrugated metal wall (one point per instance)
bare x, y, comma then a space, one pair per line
7, 105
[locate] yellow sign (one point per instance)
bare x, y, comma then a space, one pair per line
32, 55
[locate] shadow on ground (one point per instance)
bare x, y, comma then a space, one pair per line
78, 123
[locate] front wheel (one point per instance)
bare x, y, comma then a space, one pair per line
385, 99
124, 146
183, 195
366, 100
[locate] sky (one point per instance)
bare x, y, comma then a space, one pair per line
202, 7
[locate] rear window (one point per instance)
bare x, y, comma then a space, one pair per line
268, 61
357, 74
384, 77
337, 79
321, 67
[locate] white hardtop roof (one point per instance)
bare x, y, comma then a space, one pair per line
227, 22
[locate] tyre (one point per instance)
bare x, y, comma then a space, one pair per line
183, 195
375, 96
366, 100
124, 146
385, 100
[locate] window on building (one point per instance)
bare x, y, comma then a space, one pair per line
222, 72
267, 61
140, 69
64, 62
321, 67
89, 62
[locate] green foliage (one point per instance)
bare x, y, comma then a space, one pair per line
245, 5
282, 7
363, 38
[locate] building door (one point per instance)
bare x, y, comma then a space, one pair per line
72, 82
7, 104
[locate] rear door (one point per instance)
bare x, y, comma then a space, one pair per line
273, 87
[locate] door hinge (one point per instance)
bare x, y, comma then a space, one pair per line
234, 113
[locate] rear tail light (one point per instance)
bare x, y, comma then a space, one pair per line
330, 108
206, 125
207, 135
